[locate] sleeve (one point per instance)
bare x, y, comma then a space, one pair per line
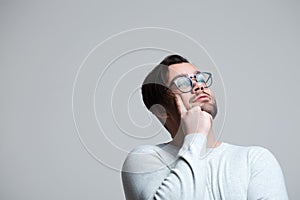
266, 179
185, 181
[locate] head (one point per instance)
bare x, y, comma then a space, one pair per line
161, 85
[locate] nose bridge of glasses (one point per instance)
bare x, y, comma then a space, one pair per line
193, 79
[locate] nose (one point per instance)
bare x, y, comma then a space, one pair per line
198, 86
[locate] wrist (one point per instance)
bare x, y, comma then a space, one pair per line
205, 133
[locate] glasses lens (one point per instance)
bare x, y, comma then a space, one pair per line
183, 84
200, 78
204, 78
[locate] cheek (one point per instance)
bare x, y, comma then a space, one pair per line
185, 99
208, 91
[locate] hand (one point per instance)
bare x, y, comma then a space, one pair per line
193, 120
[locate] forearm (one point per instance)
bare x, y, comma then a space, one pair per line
186, 180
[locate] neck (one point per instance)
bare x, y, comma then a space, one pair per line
211, 140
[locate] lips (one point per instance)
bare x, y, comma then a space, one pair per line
202, 97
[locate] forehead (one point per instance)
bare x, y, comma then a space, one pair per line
181, 68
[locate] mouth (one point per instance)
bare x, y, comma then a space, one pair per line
202, 98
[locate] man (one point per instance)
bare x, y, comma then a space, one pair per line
194, 165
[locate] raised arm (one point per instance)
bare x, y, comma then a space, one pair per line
186, 179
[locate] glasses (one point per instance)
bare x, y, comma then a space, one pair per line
185, 83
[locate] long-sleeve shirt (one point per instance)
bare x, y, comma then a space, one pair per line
193, 172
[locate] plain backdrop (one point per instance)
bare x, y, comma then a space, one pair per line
49, 147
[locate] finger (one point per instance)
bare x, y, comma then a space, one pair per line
195, 108
208, 114
181, 107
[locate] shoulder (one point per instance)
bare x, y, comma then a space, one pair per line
143, 158
251, 151
262, 159
253, 154
258, 154
258, 157
144, 149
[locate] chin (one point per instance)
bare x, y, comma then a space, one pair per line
210, 108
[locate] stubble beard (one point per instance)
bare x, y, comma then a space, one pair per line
210, 107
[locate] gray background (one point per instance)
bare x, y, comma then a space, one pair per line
255, 45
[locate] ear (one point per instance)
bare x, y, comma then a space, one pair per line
159, 111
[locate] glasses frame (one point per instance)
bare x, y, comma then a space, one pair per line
191, 81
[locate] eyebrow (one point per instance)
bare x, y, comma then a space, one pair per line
181, 75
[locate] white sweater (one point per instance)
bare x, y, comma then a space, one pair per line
227, 172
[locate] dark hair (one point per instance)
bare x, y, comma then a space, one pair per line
154, 88
173, 59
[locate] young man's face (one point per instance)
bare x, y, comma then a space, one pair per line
199, 94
